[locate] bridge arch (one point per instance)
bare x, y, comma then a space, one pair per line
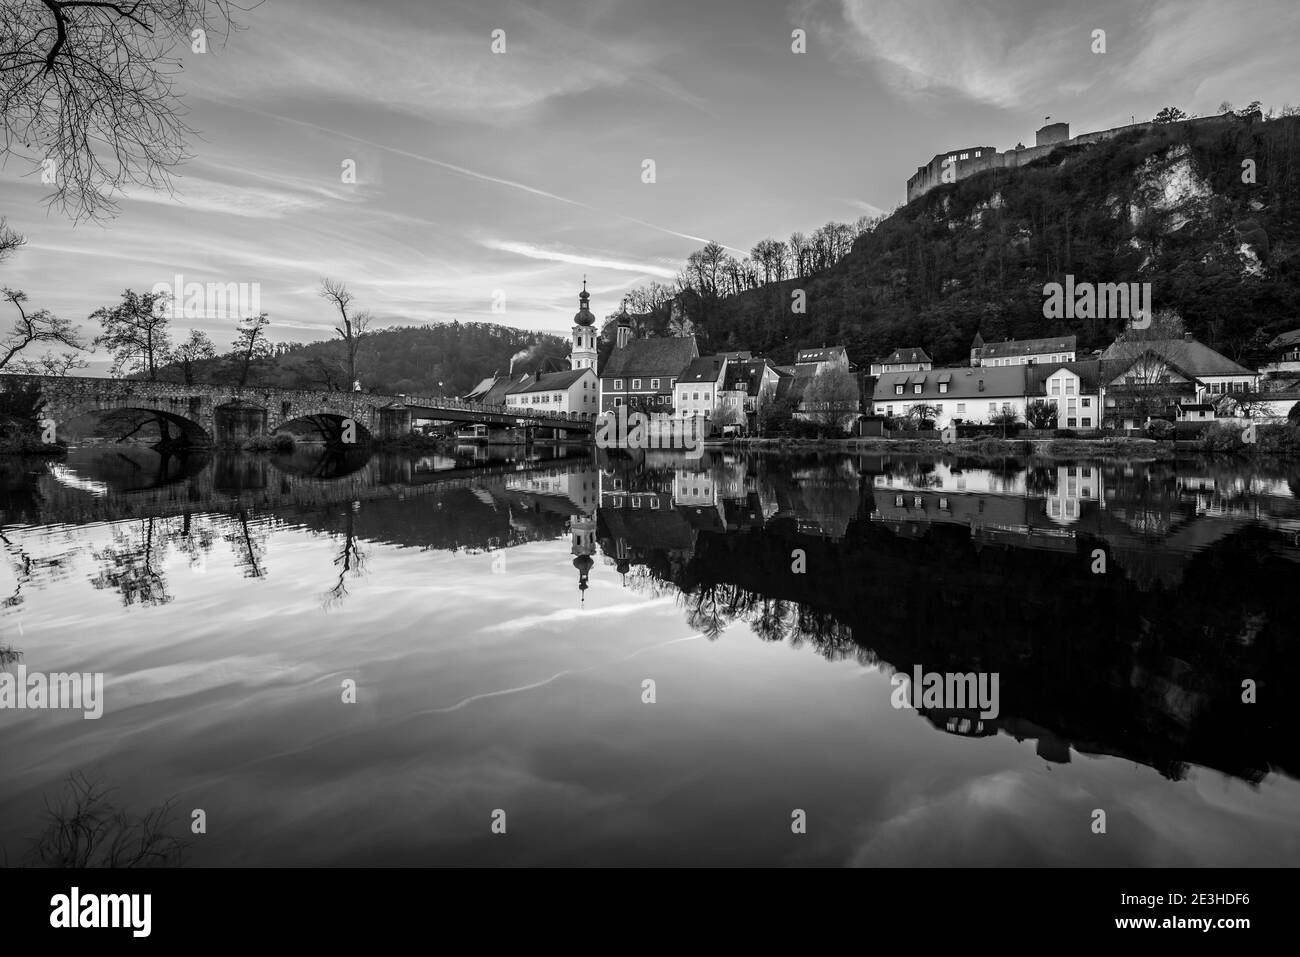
330, 428
122, 422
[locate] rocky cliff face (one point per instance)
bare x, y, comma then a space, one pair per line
1207, 216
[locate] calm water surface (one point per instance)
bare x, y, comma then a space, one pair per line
227, 598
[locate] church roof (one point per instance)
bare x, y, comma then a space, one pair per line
651, 357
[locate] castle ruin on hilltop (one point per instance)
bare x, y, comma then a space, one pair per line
975, 159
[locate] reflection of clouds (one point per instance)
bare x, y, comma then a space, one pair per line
65, 476
562, 615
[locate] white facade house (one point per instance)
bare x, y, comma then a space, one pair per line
577, 390
911, 359
699, 388
957, 395
1072, 388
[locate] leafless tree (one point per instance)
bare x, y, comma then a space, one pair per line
9, 240
87, 91
352, 323
50, 363
39, 325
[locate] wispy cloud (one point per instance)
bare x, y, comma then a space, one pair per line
533, 251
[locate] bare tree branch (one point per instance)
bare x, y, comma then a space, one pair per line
87, 92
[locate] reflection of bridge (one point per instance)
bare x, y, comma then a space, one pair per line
204, 414
231, 484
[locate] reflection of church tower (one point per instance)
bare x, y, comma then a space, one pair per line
583, 527
582, 355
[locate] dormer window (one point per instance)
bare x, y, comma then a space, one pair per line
943, 388
916, 389
898, 389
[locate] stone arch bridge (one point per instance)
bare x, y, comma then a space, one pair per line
216, 414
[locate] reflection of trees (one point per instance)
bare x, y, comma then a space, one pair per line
84, 828
9, 656
26, 568
349, 560
132, 565
249, 543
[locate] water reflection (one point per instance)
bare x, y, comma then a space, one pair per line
889, 562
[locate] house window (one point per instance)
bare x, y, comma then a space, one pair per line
618, 384
977, 153
1071, 423
993, 408
916, 389
1087, 402
1069, 387
695, 396
965, 156
683, 396
898, 501
636, 385
617, 401
898, 389
943, 388
1056, 387
654, 384
938, 408
889, 410
961, 408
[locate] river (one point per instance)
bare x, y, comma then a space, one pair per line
523, 656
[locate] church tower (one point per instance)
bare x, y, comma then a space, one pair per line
582, 354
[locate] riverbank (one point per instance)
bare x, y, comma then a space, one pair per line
1105, 448
992, 448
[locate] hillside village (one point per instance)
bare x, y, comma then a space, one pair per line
1151, 378
1146, 380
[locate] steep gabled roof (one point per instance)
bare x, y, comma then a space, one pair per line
1190, 357
1088, 371
703, 369
747, 376
825, 354
1000, 382
481, 389
907, 354
551, 382
1285, 340
502, 386
651, 358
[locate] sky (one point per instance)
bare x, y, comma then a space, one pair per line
500, 179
